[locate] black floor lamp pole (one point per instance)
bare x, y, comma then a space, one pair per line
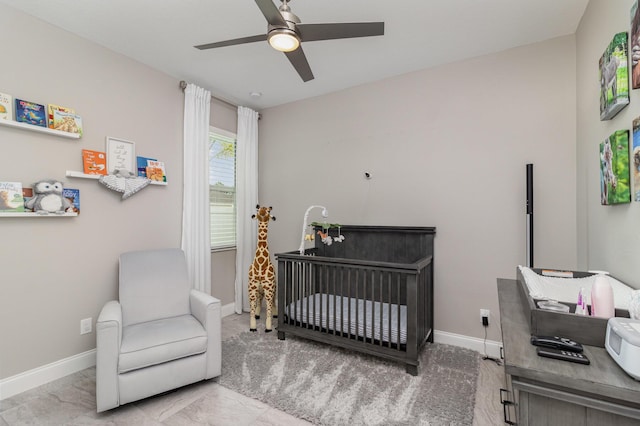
530, 215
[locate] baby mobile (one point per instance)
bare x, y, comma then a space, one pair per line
324, 233
308, 235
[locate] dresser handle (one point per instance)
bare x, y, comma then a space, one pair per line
505, 402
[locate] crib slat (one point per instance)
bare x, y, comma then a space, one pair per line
295, 293
308, 291
398, 312
346, 304
364, 305
381, 307
317, 300
389, 318
357, 313
334, 327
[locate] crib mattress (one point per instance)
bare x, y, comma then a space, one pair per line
369, 324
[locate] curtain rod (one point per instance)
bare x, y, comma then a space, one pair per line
183, 85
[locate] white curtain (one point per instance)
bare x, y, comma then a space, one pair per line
196, 235
246, 200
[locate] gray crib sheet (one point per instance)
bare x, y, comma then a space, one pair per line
368, 324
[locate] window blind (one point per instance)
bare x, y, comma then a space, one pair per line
222, 189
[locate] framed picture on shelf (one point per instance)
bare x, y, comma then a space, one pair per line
121, 155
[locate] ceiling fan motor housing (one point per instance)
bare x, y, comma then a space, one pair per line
290, 30
290, 19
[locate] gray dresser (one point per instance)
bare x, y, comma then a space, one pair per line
543, 391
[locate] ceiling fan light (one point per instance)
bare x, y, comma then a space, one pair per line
284, 40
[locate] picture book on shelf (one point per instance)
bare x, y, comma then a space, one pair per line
94, 162
155, 171
11, 197
67, 122
73, 196
27, 194
31, 113
54, 107
6, 106
142, 165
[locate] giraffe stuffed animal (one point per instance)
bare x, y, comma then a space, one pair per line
262, 277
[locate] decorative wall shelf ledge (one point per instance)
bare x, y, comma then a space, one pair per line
32, 214
25, 126
71, 173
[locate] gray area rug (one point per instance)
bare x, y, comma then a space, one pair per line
327, 385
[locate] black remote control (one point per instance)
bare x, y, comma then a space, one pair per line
563, 355
556, 342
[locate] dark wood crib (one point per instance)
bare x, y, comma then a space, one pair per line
372, 292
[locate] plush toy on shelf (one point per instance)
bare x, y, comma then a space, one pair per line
48, 198
124, 181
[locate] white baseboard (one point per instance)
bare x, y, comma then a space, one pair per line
56, 370
492, 347
47, 373
228, 309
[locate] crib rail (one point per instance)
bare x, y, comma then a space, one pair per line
381, 308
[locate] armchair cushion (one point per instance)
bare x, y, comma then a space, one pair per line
156, 342
154, 284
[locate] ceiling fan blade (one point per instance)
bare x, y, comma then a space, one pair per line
242, 40
316, 32
300, 63
271, 13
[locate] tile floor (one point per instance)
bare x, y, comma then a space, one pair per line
71, 401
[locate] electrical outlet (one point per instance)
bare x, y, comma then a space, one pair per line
484, 316
85, 326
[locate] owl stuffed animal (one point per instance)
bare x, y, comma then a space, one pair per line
48, 198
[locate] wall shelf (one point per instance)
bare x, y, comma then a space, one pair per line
71, 173
33, 128
32, 214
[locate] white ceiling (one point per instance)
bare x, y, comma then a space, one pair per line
418, 34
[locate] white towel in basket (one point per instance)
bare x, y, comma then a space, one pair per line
567, 289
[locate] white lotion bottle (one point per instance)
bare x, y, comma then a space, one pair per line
602, 298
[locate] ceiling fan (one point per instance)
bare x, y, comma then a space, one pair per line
285, 33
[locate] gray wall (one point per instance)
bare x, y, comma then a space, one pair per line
608, 237
446, 147
56, 271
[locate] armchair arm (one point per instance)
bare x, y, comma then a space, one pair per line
207, 310
108, 340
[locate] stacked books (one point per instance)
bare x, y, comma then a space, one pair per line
151, 168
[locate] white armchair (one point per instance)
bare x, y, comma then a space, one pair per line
160, 335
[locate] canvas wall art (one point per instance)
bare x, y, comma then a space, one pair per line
635, 159
614, 77
634, 44
614, 169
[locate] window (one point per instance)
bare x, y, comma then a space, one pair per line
222, 188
